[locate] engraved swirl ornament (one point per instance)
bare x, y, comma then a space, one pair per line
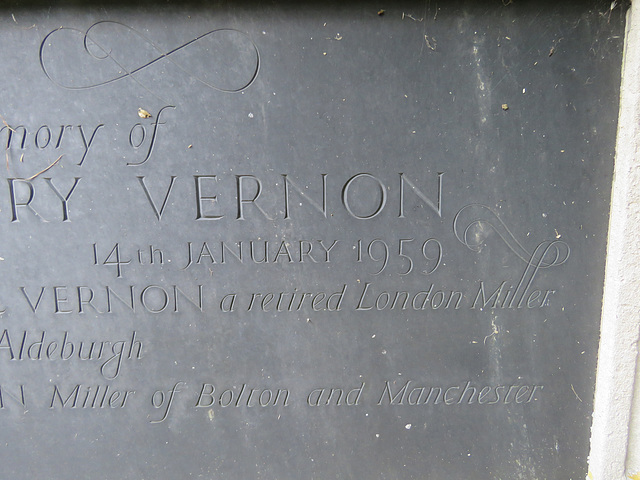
224, 59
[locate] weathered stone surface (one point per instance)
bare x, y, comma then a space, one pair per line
345, 241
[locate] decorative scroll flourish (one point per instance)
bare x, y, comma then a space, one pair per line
79, 60
470, 228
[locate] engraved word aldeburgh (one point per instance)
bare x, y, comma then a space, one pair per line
44, 346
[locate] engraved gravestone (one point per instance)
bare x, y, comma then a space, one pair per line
347, 240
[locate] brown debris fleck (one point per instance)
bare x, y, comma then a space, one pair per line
44, 170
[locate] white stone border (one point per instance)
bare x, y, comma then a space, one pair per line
615, 434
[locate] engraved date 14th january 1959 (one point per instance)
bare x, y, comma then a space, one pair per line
401, 256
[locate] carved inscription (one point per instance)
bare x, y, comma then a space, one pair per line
380, 261
412, 393
50, 140
108, 355
212, 396
311, 241
167, 299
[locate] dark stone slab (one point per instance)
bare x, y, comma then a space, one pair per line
348, 240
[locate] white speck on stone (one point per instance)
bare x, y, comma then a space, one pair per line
408, 426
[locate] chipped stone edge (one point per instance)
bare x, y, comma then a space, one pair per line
615, 433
